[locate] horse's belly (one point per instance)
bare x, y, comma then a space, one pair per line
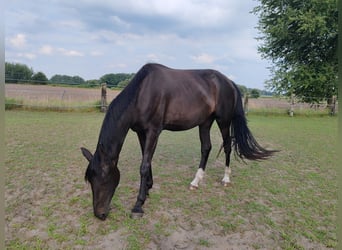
187, 118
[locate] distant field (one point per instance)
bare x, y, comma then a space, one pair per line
43, 97
51, 96
287, 202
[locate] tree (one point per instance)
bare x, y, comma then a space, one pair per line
39, 78
17, 72
124, 83
92, 83
300, 38
243, 89
65, 79
255, 93
77, 80
113, 80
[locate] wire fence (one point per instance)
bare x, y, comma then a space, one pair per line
54, 97
291, 106
45, 97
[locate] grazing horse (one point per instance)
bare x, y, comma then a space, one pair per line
159, 98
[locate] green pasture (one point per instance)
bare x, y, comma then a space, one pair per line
288, 201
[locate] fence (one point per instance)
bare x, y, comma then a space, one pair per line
56, 97
69, 98
291, 106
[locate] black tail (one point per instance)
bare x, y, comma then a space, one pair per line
244, 143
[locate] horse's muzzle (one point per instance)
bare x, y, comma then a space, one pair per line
101, 216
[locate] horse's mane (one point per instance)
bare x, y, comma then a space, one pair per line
116, 111
118, 107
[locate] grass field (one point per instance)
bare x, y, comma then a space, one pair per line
287, 202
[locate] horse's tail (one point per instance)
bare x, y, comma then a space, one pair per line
244, 142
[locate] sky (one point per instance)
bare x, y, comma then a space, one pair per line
90, 38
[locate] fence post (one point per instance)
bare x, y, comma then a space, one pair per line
291, 105
245, 104
333, 106
103, 97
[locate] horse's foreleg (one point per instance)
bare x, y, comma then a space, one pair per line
149, 182
142, 141
145, 172
204, 133
198, 177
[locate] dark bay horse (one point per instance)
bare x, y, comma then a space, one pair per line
161, 98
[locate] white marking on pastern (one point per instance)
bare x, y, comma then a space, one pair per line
226, 178
198, 177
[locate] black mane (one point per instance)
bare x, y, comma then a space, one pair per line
119, 104
115, 112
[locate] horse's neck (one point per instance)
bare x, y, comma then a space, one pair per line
113, 133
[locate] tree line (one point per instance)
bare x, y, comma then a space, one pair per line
21, 73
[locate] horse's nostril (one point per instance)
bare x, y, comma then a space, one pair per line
101, 216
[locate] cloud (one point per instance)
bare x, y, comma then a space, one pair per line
29, 56
50, 50
96, 53
71, 24
18, 41
46, 50
117, 21
203, 58
66, 52
118, 65
105, 36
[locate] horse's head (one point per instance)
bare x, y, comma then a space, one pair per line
104, 176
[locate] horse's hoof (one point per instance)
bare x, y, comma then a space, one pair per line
192, 187
226, 184
136, 215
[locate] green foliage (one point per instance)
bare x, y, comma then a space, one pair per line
11, 103
67, 79
125, 82
300, 38
255, 93
17, 72
91, 83
243, 89
39, 78
113, 80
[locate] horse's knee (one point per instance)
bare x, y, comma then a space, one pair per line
145, 171
206, 149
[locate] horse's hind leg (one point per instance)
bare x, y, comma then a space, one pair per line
204, 133
227, 145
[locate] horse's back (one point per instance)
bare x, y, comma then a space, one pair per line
181, 99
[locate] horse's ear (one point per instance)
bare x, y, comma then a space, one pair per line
86, 153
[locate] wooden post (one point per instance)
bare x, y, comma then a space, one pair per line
333, 106
245, 104
103, 97
291, 105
